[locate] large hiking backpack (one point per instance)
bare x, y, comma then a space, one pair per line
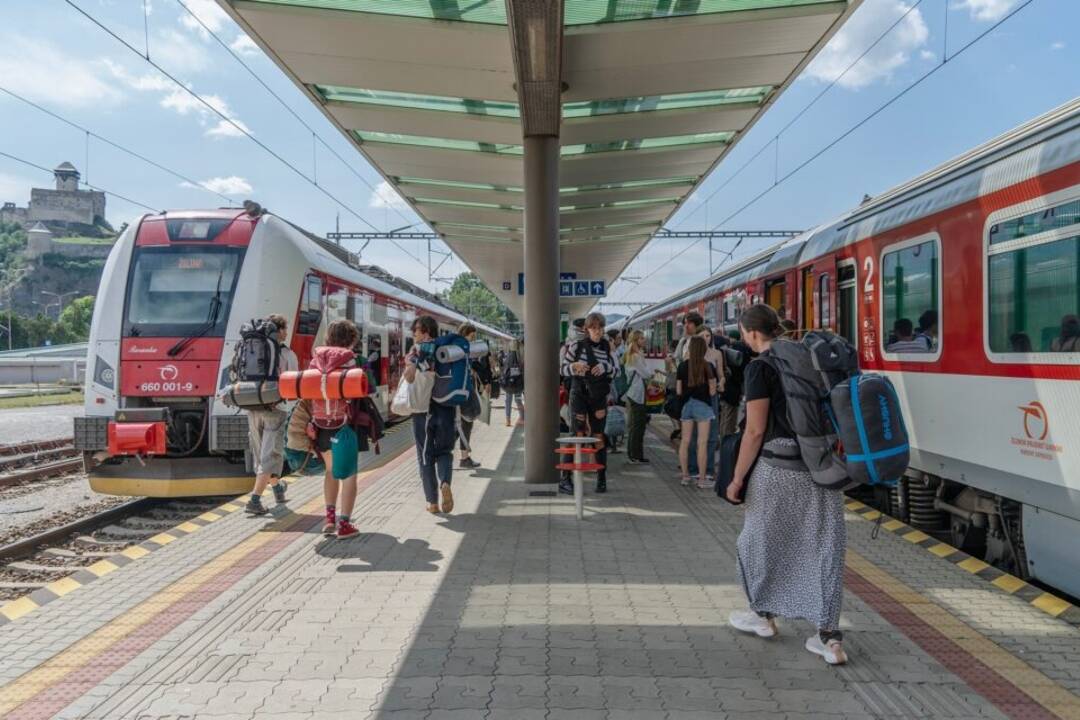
453, 379
328, 413
848, 425
253, 371
258, 352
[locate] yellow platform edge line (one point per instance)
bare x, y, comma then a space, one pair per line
1046, 602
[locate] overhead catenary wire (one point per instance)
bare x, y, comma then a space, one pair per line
34, 165
226, 118
288, 108
91, 134
840, 138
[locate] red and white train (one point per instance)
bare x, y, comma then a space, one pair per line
175, 290
987, 248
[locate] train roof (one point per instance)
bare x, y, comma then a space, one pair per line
1046, 143
336, 260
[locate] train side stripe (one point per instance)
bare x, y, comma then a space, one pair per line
1036, 597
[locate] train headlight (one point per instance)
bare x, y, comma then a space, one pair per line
104, 374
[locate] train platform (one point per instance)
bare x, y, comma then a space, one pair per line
512, 608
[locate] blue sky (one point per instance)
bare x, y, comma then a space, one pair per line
57, 58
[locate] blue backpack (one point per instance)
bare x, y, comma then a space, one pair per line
453, 381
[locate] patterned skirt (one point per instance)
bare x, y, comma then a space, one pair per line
791, 548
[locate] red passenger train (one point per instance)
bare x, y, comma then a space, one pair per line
985, 252
175, 290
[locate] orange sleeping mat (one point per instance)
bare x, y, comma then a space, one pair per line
310, 385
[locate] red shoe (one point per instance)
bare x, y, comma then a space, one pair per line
346, 529
331, 523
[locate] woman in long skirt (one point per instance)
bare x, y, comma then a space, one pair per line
791, 548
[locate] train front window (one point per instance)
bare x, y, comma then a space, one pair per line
175, 291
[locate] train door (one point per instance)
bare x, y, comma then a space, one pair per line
308, 318
806, 303
823, 301
775, 290
847, 317
394, 346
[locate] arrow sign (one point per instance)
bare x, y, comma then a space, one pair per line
596, 288
566, 289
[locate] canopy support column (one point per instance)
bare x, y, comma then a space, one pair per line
536, 37
541, 305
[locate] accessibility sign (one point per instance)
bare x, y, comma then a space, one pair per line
582, 288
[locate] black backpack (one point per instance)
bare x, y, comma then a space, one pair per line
258, 352
848, 425
513, 379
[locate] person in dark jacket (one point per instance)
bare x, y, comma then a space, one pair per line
481, 370
590, 362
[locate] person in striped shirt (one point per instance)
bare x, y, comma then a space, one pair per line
590, 363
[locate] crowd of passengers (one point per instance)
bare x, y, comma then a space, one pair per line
790, 552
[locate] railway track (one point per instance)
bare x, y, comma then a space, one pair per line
36, 561
26, 462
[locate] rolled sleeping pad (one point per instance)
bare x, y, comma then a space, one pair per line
314, 385
252, 393
452, 353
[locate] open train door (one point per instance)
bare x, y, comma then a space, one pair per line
847, 315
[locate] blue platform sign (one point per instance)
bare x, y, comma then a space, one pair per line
566, 288
521, 283
581, 288
596, 288
571, 287
568, 276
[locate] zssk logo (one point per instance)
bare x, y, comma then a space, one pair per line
1036, 424
169, 372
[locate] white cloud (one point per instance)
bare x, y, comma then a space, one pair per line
185, 103
16, 189
243, 45
385, 196
213, 17
1058, 45
42, 72
178, 52
232, 185
864, 27
988, 10
149, 82
927, 54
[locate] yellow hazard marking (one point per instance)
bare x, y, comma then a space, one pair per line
915, 536
229, 508
189, 527
101, 567
942, 550
135, 552
892, 525
1027, 679
1009, 583
163, 538
854, 505
17, 608
872, 515
210, 516
63, 586
1051, 604
972, 565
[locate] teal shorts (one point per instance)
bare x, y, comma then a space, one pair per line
344, 449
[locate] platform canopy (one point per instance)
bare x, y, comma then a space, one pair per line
656, 92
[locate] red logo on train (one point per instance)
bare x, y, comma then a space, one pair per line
1035, 419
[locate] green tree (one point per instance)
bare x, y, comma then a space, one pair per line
74, 322
469, 295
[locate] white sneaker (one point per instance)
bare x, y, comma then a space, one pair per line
749, 621
832, 651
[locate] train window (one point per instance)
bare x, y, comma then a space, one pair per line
824, 316
310, 306
1034, 223
911, 298
1035, 295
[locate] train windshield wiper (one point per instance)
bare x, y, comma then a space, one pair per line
211, 321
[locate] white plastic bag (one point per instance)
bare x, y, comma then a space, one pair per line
413, 397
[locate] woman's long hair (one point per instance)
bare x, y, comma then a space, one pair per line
632, 351
696, 374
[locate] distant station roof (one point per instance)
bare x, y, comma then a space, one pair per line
656, 93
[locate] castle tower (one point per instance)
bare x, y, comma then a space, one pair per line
39, 240
67, 177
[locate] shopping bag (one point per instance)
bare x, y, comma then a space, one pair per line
413, 397
485, 409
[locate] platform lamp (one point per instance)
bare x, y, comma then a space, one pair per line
59, 300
